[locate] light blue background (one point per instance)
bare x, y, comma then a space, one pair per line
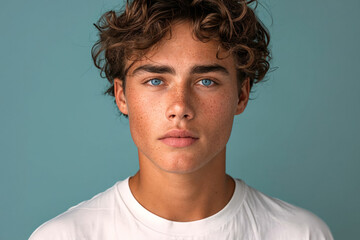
61, 140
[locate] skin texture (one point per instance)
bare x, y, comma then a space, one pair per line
165, 91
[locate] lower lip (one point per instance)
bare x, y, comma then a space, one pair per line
179, 142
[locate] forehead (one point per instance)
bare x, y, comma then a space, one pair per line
181, 50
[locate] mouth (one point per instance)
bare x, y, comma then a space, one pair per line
179, 141
179, 138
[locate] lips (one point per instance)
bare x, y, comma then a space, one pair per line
179, 138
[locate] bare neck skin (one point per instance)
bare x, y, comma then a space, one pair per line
183, 197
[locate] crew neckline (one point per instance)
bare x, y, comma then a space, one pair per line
197, 227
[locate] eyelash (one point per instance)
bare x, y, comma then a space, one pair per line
211, 84
200, 81
149, 81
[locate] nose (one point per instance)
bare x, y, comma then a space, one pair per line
180, 105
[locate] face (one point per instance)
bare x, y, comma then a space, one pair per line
181, 102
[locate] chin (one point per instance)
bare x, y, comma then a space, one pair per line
181, 165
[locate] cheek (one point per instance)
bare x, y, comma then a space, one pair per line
221, 107
220, 114
141, 117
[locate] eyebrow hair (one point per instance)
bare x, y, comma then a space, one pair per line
154, 69
197, 69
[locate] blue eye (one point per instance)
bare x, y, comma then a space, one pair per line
155, 82
207, 82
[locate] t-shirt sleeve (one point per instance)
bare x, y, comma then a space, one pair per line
70, 225
49, 230
314, 227
302, 225
275, 219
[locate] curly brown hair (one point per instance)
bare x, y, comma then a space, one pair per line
130, 33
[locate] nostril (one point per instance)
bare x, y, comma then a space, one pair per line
179, 111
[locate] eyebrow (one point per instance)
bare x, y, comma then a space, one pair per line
197, 69
154, 69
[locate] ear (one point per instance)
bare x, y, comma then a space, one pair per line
244, 93
119, 94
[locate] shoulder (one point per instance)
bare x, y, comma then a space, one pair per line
80, 221
276, 219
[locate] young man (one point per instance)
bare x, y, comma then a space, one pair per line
180, 71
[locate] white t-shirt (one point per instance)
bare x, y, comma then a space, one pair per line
116, 215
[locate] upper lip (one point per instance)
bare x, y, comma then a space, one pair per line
178, 133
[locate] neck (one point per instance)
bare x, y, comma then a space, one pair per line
183, 197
